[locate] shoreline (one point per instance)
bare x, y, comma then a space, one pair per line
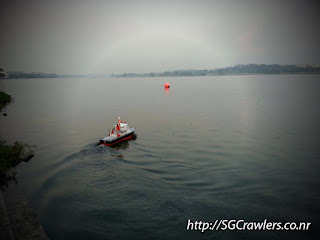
18, 219
143, 76
217, 75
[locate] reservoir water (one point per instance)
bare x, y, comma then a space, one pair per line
209, 148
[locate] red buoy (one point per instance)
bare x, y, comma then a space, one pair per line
167, 85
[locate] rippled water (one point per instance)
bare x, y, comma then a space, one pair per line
229, 147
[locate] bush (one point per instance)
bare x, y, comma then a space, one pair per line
4, 99
9, 158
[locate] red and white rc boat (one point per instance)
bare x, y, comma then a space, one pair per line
119, 133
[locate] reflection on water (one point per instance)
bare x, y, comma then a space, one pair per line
235, 147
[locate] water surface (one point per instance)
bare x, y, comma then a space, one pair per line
221, 147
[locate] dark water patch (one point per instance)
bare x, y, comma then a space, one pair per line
155, 171
175, 179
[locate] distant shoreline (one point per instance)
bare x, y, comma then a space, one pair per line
249, 69
228, 74
282, 73
208, 75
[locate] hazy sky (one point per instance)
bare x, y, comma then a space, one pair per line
85, 37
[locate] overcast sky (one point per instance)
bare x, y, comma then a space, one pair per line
85, 37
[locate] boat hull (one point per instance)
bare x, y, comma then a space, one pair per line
117, 140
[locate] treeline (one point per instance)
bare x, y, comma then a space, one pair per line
31, 75
237, 69
166, 74
19, 74
4, 74
40, 75
267, 69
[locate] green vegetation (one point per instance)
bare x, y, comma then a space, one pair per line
5, 99
10, 155
9, 158
235, 70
